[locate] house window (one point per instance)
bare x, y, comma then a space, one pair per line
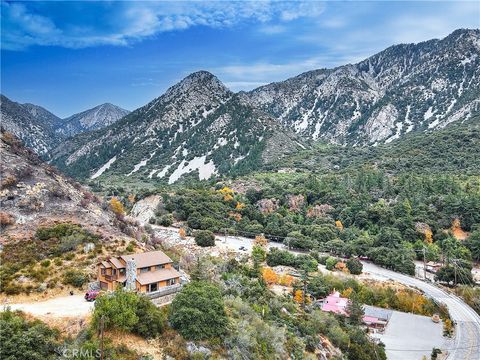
114, 272
144, 270
171, 282
103, 271
159, 267
122, 271
152, 287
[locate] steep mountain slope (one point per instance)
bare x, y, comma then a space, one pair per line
33, 125
198, 126
32, 193
91, 119
42, 115
452, 150
404, 88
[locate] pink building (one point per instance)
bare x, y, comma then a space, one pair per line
374, 317
335, 303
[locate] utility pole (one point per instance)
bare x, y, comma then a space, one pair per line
455, 271
424, 265
102, 326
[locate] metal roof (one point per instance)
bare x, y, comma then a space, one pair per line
156, 276
148, 259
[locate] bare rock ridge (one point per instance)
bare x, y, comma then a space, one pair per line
405, 88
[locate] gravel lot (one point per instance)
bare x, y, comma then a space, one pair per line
66, 306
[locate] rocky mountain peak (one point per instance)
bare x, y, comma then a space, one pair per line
92, 119
197, 83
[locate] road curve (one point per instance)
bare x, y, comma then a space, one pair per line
466, 344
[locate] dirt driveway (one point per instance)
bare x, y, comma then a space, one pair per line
66, 306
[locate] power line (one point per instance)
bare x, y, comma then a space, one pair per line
449, 349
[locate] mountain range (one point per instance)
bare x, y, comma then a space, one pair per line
199, 128
42, 131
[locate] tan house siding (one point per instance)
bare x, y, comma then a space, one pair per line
112, 273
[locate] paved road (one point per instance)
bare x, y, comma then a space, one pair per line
467, 340
66, 306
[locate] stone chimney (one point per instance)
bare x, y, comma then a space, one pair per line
131, 274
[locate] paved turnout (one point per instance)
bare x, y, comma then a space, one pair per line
466, 345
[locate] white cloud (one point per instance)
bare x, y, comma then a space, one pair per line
134, 21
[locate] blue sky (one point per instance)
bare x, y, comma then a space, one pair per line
70, 56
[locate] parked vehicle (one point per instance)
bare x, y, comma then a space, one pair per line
91, 295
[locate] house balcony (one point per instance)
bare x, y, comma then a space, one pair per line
164, 291
111, 277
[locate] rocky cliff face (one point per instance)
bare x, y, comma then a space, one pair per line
197, 127
32, 193
29, 123
404, 88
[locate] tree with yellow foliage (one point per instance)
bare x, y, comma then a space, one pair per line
269, 276
239, 206
298, 296
182, 233
227, 193
411, 302
117, 207
347, 292
235, 216
339, 225
261, 241
285, 280
428, 236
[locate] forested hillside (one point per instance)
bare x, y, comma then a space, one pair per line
453, 150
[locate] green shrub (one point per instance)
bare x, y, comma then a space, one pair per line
56, 231
128, 311
23, 339
75, 278
130, 248
165, 220
45, 263
354, 266
204, 238
198, 312
58, 262
330, 263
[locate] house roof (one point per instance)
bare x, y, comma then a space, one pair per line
148, 258
334, 308
117, 263
376, 312
156, 276
335, 303
106, 264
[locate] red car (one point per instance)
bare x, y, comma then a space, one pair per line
91, 295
